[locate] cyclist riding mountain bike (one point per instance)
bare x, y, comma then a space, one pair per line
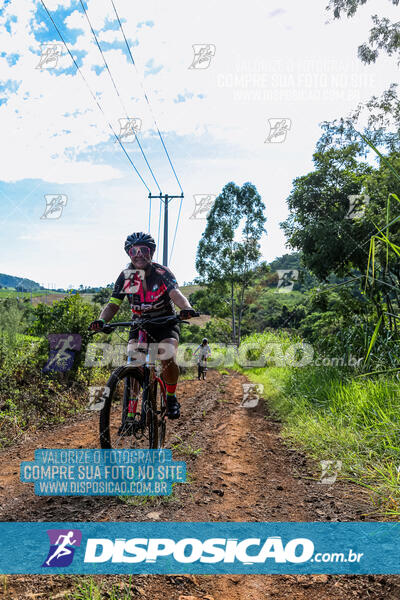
152, 291
204, 352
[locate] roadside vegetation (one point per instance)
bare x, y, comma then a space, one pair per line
336, 414
29, 397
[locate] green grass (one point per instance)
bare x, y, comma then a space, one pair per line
183, 447
333, 416
189, 289
189, 374
14, 294
89, 589
136, 500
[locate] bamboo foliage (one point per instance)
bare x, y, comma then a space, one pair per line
382, 237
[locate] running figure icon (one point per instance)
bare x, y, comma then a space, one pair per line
62, 549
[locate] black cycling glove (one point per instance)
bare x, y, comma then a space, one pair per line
187, 313
97, 325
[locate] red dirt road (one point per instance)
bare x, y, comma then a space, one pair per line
239, 470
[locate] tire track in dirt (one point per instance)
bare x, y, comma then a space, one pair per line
239, 470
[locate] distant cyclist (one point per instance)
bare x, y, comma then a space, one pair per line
152, 291
204, 352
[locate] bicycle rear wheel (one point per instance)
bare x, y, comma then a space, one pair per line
115, 430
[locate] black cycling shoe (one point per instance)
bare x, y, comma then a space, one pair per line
173, 407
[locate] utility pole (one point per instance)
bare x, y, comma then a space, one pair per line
166, 198
165, 238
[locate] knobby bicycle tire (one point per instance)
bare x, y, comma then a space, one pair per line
161, 398
118, 375
151, 413
157, 412
162, 405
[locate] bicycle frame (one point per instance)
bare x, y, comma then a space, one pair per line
150, 370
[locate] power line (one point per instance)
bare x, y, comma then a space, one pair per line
118, 94
101, 52
146, 97
94, 97
158, 131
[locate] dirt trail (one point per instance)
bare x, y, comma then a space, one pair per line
239, 470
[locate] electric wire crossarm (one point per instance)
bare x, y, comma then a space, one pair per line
166, 198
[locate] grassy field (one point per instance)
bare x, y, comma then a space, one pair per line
189, 289
8, 293
12, 292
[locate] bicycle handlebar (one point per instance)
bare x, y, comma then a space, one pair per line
143, 321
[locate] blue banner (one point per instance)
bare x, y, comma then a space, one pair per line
89, 472
204, 548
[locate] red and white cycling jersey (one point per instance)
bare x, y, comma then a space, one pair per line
147, 293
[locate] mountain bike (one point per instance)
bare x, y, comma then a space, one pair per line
202, 368
140, 422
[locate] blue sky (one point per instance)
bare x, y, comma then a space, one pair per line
272, 60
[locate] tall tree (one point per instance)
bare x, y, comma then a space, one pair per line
229, 248
331, 240
319, 222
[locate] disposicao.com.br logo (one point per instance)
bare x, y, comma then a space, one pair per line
190, 550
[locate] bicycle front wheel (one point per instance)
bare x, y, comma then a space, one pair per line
117, 430
157, 412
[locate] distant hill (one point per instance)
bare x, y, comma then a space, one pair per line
20, 283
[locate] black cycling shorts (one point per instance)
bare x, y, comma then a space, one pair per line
157, 333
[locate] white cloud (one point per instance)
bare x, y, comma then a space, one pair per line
52, 119
35, 117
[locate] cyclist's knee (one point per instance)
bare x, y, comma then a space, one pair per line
168, 362
167, 350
